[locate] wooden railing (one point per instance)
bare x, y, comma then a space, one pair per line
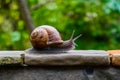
70, 58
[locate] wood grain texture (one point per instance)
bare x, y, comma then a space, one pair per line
71, 58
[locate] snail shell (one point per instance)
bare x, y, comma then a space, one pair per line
48, 38
44, 36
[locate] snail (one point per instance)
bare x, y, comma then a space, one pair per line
46, 37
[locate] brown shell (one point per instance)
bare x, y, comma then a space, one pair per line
39, 38
44, 36
54, 36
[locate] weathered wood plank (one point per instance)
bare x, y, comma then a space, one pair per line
59, 73
114, 57
71, 58
11, 58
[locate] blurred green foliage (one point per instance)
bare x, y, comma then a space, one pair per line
97, 20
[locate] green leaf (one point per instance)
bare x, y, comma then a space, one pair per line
15, 36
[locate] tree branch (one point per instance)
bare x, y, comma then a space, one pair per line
26, 15
40, 5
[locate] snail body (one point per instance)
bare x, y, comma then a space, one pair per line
48, 38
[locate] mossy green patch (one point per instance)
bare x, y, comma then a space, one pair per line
10, 61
